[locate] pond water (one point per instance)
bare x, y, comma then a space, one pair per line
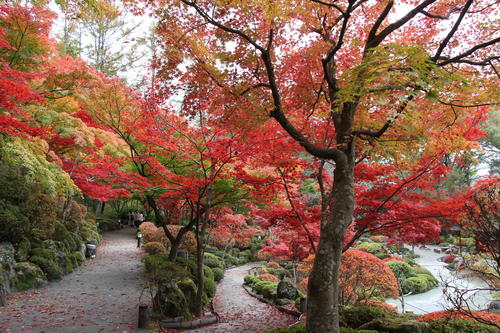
434, 300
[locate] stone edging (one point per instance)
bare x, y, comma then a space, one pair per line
264, 300
178, 323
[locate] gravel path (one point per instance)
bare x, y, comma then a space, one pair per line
241, 312
101, 296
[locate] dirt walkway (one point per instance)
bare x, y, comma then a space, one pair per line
101, 296
239, 311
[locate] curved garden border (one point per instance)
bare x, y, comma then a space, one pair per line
178, 323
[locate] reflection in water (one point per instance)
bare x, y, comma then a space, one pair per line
434, 300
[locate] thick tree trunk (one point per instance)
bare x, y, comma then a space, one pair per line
199, 273
323, 287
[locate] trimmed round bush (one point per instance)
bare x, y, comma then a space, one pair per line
154, 248
212, 261
266, 288
379, 250
209, 287
218, 274
400, 269
268, 277
416, 284
250, 280
273, 264
355, 316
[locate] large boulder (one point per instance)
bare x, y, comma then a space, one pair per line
395, 325
29, 276
286, 290
171, 302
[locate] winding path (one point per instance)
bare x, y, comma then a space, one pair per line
101, 296
240, 312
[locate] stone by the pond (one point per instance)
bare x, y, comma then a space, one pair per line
28, 276
286, 290
494, 306
170, 301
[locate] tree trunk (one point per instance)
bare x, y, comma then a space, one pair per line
199, 272
323, 286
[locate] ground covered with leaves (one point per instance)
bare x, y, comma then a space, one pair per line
102, 296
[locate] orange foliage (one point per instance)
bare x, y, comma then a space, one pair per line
362, 276
447, 314
273, 264
393, 258
303, 284
151, 233
268, 277
386, 306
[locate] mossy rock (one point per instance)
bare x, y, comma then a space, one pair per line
355, 316
63, 235
396, 325
44, 253
49, 267
460, 326
22, 250
218, 274
77, 259
171, 302
266, 289
189, 289
29, 275
285, 289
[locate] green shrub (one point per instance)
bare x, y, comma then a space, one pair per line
421, 270
401, 269
250, 280
159, 268
154, 248
208, 273
266, 288
460, 326
218, 274
396, 325
355, 316
69, 265
416, 284
432, 282
49, 267
209, 287
188, 263
44, 253
14, 223
42, 211
77, 259
212, 261
377, 249
62, 234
